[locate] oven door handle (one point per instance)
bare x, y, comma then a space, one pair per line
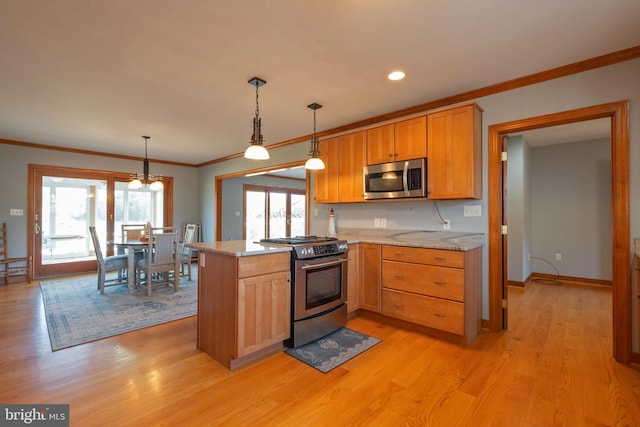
324, 264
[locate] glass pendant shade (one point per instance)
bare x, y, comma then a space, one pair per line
135, 184
156, 186
256, 152
314, 163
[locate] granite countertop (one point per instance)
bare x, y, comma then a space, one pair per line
237, 248
449, 240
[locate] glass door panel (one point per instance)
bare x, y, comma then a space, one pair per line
277, 214
273, 212
298, 219
255, 215
69, 206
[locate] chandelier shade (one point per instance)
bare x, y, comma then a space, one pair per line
256, 150
138, 180
314, 162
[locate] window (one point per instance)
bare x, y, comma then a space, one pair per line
67, 201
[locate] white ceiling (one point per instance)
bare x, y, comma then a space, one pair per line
97, 75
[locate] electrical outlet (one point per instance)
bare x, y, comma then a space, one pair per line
446, 225
558, 257
475, 210
383, 222
376, 222
18, 212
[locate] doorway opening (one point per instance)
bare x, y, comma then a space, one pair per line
621, 289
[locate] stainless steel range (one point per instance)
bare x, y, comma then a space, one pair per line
319, 286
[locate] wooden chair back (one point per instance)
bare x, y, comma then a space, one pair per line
132, 231
12, 266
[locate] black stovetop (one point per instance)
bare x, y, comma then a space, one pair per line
299, 240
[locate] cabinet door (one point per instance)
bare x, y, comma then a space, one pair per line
264, 307
351, 158
454, 154
380, 144
353, 278
411, 139
370, 277
326, 180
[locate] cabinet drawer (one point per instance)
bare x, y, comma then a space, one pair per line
262, 264
441, 257
432, 312
429, 280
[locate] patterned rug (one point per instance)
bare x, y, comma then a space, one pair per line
78, 313
333, 350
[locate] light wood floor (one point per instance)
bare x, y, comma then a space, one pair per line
553, 367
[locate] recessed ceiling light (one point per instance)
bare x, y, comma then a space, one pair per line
396, 75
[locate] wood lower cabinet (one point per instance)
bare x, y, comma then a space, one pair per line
439, 289
244, 306
454, 141
370, 298
353, 278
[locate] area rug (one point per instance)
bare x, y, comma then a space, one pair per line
333, 350
77, 313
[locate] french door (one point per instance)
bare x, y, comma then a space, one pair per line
64, 202
273, 212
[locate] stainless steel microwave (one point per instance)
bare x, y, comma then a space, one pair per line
396, 180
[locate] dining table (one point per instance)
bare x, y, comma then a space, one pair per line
131, 246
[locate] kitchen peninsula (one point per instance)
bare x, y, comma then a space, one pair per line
427, 280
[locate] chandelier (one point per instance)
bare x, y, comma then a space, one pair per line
314, 162
256, 150
154, 182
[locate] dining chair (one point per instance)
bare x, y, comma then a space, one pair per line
12, 266
130, 232
110, 263
161, 260
186, 253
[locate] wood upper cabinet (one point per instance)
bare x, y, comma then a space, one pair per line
341, 179
370, 298
380, 144
351, 160
454, 159
326, 180
403, 140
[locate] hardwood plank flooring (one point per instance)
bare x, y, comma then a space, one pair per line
553, 367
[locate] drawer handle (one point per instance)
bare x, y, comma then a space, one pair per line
441, 258
398, 306
398, 277
399, 254
441, 283
440, 315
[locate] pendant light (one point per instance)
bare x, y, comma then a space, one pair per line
154, 182
314, 162
256, 150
